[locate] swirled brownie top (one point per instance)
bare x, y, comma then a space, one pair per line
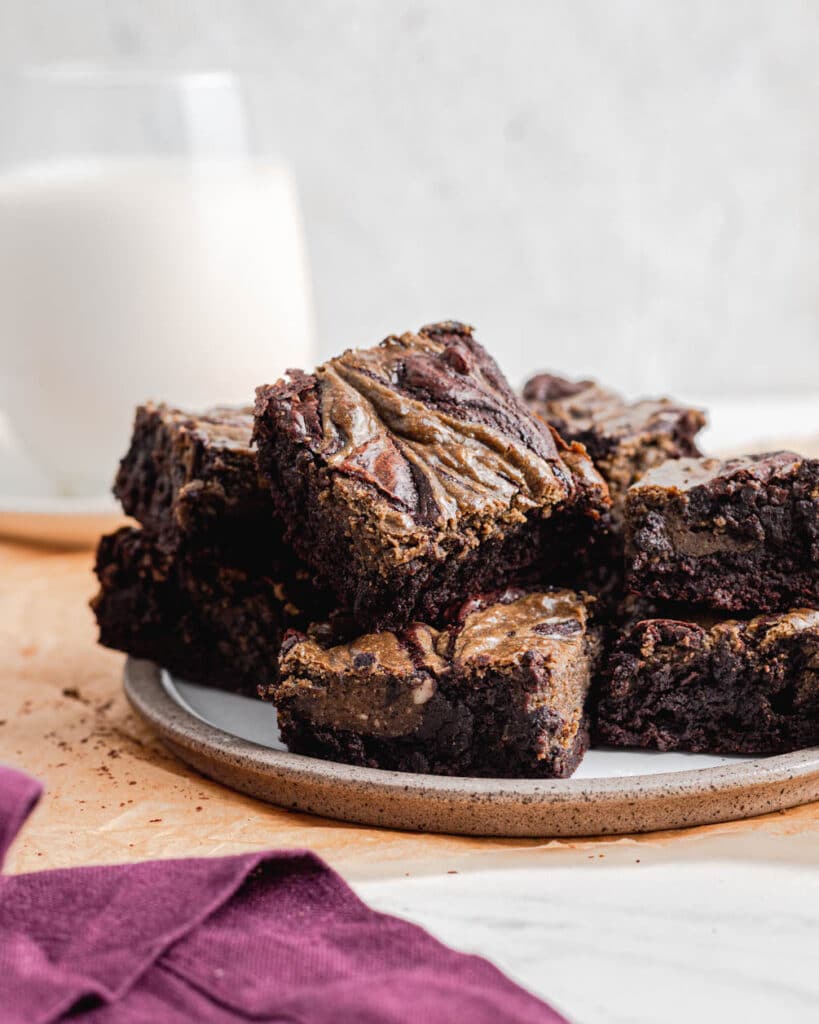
382, 681
427, 425
222, 426
574, 407
761, 630
498, 630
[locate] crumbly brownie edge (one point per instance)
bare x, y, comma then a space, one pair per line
671, 687
207, 626
184, 488
754, 538
753, 582
137, 483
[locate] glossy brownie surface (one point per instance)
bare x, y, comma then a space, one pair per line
501, 690
714, 686
416, 470
735, 534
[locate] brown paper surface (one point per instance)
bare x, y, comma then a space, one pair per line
113, 794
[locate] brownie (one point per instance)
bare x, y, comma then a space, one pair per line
500, 691
409, 475
192, 478
203, 619
720, 687
736, 534
625, 439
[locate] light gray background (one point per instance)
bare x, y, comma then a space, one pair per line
622, 188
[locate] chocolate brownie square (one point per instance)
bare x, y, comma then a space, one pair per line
189, 478
499, 692
735, 534
205, 620
719, 687
624, 439
409, 474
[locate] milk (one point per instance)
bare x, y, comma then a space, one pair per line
124, 280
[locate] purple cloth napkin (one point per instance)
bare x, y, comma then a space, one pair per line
262, 937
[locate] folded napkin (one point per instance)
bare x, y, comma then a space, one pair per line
261, 937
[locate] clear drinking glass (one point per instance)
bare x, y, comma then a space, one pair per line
147, 251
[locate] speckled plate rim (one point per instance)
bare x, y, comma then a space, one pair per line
489, 807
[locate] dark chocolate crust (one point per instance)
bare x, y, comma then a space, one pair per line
188, 477
204, 620
726, 688
625, 439
500, 692
741, 534
410, 474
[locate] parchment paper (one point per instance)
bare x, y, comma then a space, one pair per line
114, 794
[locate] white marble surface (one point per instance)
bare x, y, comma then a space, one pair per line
638, 939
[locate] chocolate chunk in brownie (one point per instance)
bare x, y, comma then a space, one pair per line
728, 687
499, 692
625, 439
409, 474
191, 612
736, 534
189, 477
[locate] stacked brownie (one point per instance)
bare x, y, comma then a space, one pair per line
205, 586
418, 486
738, 536
423, 570
408, 519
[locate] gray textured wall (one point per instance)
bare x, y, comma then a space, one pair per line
625, 188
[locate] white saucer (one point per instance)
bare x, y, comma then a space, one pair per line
31, 512
61, 522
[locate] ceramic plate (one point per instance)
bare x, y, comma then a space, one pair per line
234, 740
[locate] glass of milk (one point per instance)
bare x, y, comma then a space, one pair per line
146, 252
